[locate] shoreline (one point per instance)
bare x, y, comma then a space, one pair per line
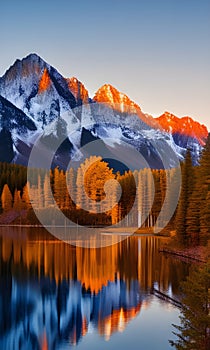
184, 254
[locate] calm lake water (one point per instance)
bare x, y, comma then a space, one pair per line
56, 296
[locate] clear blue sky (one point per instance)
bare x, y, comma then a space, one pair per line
156, 51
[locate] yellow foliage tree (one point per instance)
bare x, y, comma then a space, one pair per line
96, 176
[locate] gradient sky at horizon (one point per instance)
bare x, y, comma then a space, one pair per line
155, 51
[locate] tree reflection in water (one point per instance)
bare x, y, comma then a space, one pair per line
52, 292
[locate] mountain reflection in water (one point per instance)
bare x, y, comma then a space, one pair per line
52, 293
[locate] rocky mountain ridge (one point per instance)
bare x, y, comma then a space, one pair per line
36, 99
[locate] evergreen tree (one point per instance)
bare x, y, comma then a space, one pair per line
40, 193
204, 189
128, 195
205, 217
25, 197
194, 332
59, 188
193, 214
139, 200
80, 189
157, 203
198, 213
34, 196
172, 194
17, 204
186, 192
70, 198
48, 201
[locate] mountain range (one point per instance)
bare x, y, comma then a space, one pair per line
35, 99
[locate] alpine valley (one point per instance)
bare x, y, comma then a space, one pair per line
35, 99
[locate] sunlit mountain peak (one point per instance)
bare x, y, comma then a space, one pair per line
78, 90
120, 101
45, 81
184, 126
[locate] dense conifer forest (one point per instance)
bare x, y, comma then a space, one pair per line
190, 220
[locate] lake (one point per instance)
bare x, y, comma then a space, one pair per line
55, 296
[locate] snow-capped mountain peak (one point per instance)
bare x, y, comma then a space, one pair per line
121, 103
37, 98
78, 90
110, 95
184, 126
37, 89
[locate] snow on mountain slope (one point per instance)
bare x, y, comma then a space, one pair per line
121, 103
155, 146
15, 126
36, 99
179, 133
186, 133
37, 89
12, 118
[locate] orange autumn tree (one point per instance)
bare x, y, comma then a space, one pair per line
95, 178
17, 202
26, 202
6, 198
